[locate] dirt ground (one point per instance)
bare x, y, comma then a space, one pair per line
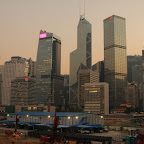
8, 140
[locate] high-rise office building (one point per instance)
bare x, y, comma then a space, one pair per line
132, 60
115, 59
48, 67
82, 55
143, 77
140, 88
1, 72
16, 67
66, 91
32, 68
137, 73
99, 67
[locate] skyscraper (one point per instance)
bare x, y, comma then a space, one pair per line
82, 55
48, 67
16, 67
1, 71
99, 67
143, 78
115, 59
132, 60
137, 73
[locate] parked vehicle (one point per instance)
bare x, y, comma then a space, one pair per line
84, 131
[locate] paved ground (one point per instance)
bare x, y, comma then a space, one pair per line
8, 140
117, 136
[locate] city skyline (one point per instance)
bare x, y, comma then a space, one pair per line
20, 26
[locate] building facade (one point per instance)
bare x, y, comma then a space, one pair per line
23, 91
137, 73
1, 72
66, 92
133, 60
99, 67
140, 88
85, 76
115, 59
132, 97
48, 68
34, 108
16, 67
32, 69
82, 55
65, 118
143, 76
96, 98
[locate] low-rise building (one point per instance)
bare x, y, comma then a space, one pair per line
85, 76
65, 118
34, 108
132, 97
96, 98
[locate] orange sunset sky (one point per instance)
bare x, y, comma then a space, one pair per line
22, 20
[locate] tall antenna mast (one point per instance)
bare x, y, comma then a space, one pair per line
84, 8
79, 8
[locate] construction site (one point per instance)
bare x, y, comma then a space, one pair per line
40, 127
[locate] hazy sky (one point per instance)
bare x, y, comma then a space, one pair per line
22, 20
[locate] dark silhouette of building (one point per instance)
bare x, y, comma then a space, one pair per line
131, 62
99, 67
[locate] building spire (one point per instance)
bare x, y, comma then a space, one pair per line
84, 8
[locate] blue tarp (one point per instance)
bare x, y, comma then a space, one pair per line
51, 125
81, 121
13, 122
28, 123
6, 121
47, 125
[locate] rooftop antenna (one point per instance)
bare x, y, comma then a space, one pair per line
79, 8
84, 8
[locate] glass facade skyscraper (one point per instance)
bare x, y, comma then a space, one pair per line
143, 78
48, 69
115, 59
82, 55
